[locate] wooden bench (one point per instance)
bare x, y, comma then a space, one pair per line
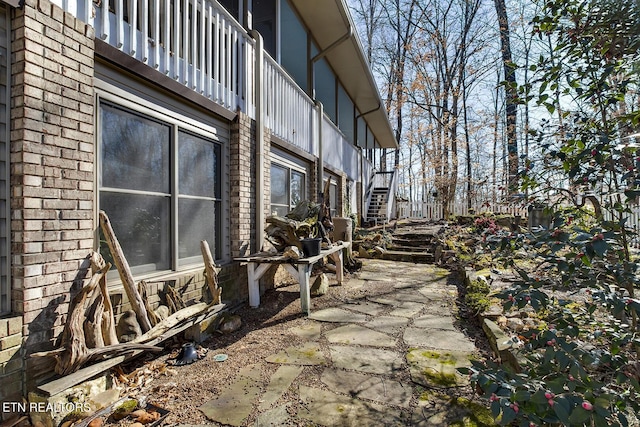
259, 263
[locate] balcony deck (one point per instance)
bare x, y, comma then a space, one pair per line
201, 46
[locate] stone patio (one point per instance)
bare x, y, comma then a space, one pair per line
380, 360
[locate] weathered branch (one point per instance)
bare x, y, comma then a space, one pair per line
142, 289
210, 273
171, 321
137, 304
73, 338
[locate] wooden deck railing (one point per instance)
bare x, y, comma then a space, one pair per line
195, 42
435, 210
200, 45
338, 152
291, 114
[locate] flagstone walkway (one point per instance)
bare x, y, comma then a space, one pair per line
381, 360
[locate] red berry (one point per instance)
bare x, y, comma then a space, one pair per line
587, 405
549, 395
551, 402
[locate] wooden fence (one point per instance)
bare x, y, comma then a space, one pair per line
435, 210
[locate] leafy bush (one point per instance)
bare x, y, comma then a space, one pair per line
477, 295
485, 225
580, 367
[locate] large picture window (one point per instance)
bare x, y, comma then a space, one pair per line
287, 188
160, 185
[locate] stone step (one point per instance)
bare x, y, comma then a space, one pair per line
415, 248
415, 257
413, 242
413, 235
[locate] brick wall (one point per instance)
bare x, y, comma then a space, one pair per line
341, 193
52, 155
242, 173
11, 362
242, 180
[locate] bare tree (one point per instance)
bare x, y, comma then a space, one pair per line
511, 98
440, 60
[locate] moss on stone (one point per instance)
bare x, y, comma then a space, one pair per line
477, 295
461, 412
477, 415
440, 378
127, 407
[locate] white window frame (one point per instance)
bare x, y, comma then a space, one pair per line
332, 186
178, 122
291, 167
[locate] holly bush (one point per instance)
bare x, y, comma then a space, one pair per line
580, 366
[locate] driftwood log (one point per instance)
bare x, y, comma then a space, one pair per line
171, 321
73, 338
142, 289
137, 304
93, 322
210, 273
109, 335
283, 232
173, 299
74, 351
307, 219
90, 334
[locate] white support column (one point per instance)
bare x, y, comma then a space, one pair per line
254, 272
304, 274
337, 257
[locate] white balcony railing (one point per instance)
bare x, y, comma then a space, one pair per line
200, 45
289, 111
195, 42
338, 152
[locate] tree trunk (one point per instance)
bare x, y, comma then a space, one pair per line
496, 122
511, 92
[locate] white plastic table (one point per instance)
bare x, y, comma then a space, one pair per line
259, 263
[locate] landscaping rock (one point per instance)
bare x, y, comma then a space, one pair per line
320, 285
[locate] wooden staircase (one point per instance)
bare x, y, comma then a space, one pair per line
415, 241
380, 197
377, 212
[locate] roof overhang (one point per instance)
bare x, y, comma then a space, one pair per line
328, 21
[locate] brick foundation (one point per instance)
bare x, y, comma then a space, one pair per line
11, 364
52, 174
